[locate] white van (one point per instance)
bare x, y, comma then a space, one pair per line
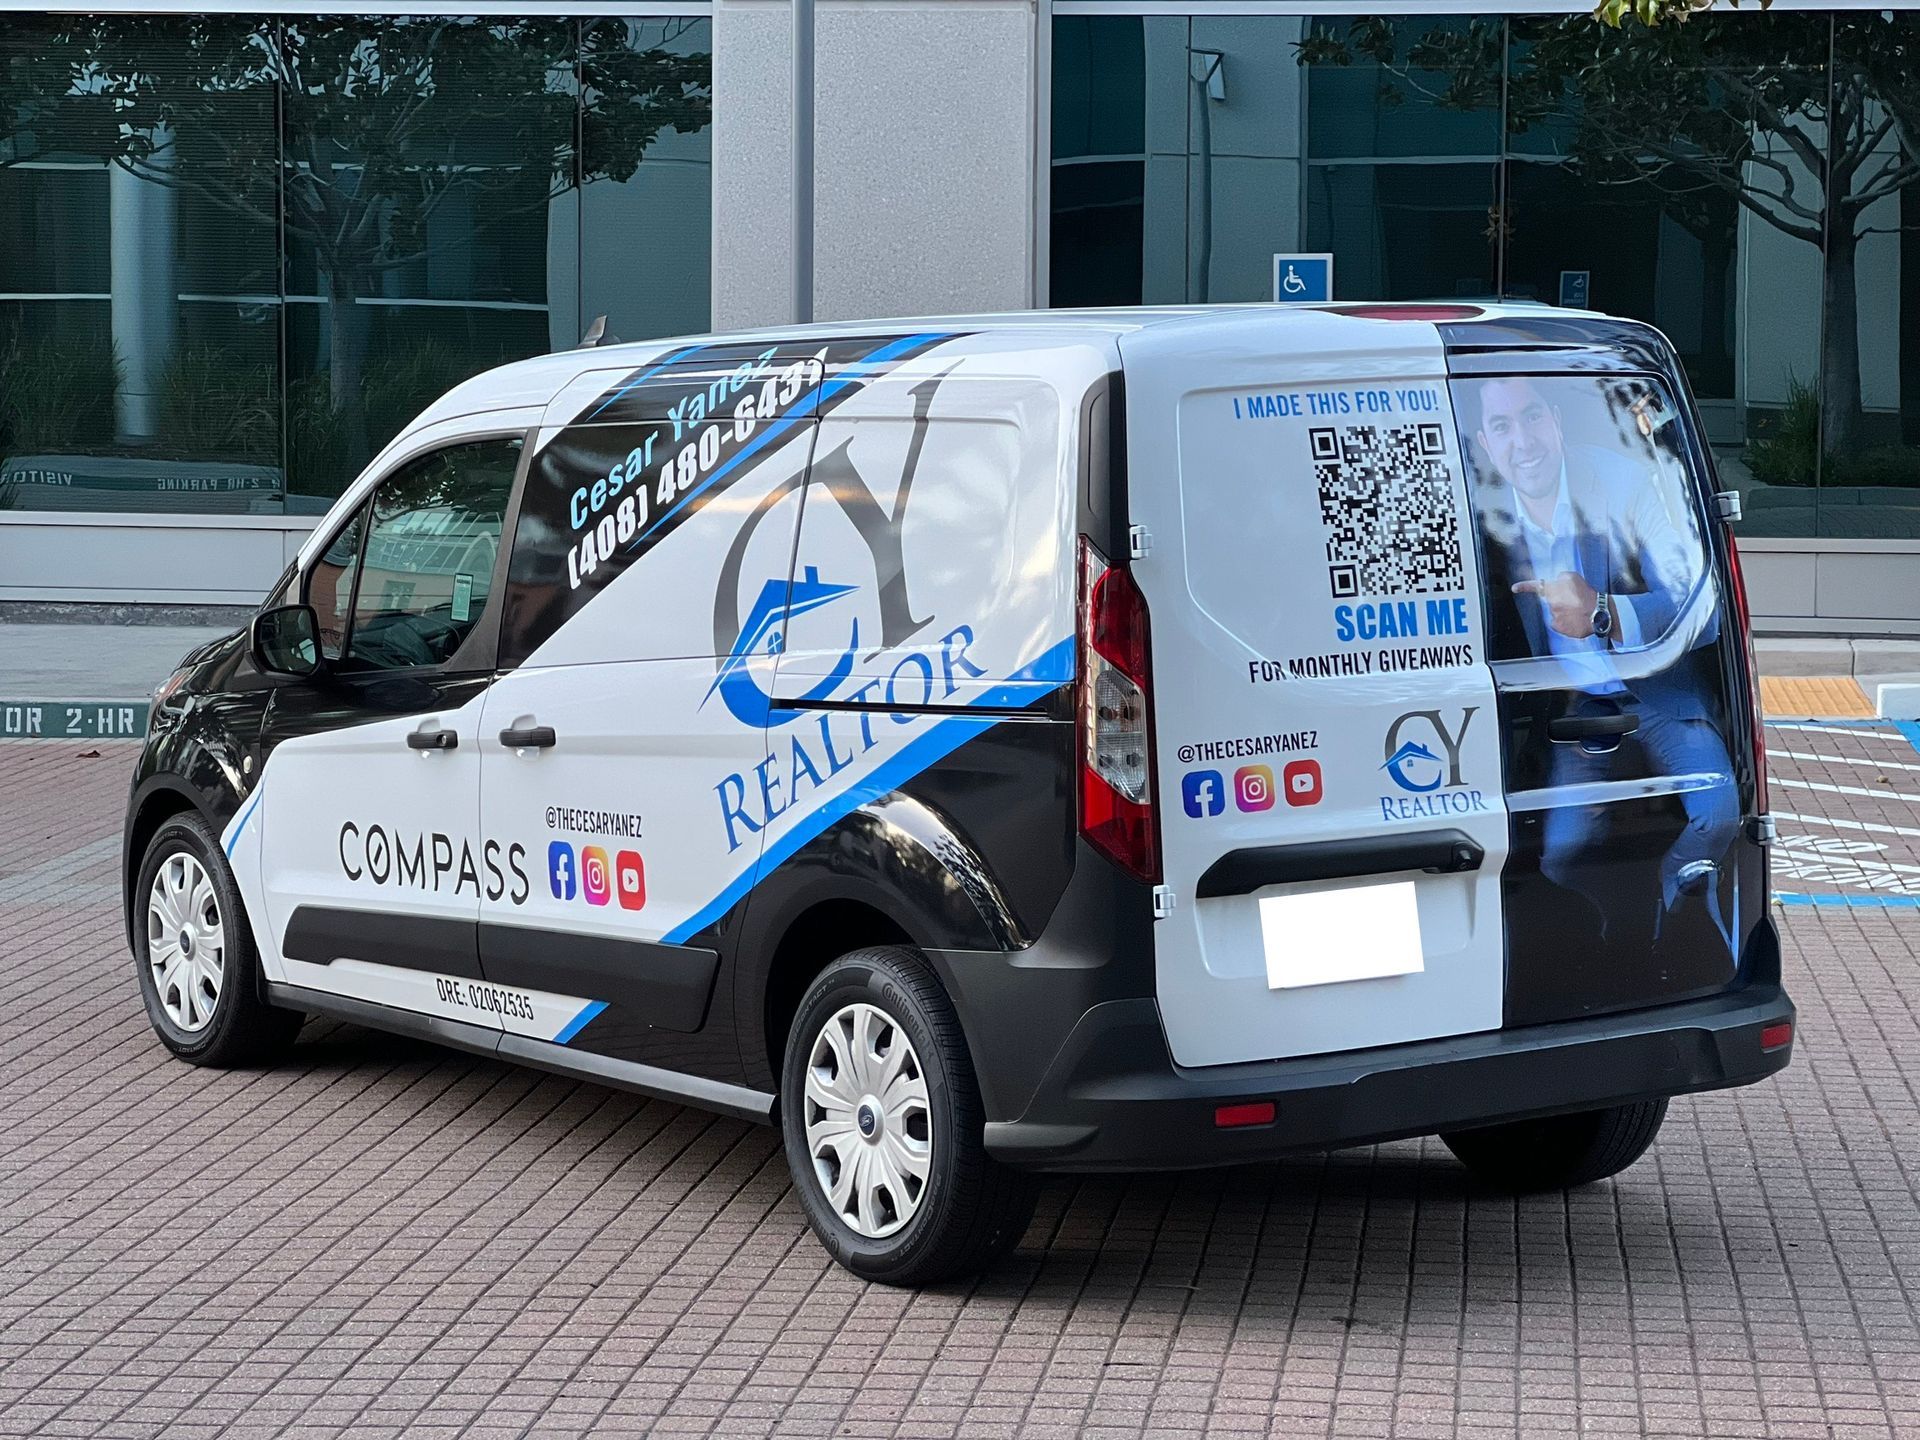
1065, 741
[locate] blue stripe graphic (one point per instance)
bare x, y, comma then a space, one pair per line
579, 1022
1850, 902
245, 815
646, 375
929, 747
779, 427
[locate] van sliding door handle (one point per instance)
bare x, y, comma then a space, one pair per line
1568, 728
533, 737
1436, 852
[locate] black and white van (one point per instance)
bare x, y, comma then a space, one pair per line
990, 746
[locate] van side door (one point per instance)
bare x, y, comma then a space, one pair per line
623, 742
372, 864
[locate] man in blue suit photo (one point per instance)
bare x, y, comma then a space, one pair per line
1587, 565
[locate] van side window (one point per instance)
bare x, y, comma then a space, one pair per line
330, 584
1589, 530
432, 540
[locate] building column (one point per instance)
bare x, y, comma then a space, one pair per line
924, 145
143, 217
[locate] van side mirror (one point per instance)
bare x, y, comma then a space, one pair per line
286, 640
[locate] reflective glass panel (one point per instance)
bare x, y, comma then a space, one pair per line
646, 207
1868, 394
424, 158
140, 340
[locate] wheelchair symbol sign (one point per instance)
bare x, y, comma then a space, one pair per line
1303, 279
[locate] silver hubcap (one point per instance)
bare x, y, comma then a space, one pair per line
869, 1129
186, 943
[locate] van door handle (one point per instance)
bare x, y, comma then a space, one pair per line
1567, 728
1436, 852
533, 737
433, 740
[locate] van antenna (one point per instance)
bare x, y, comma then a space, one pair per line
596, 333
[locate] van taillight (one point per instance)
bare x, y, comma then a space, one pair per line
1116, 741
1756, 718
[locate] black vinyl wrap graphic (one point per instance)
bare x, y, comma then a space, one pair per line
656, 449
645, 984
972, 854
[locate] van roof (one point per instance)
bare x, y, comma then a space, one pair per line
537, 380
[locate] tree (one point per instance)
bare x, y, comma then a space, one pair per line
1653, 12
381, 125
1722, 106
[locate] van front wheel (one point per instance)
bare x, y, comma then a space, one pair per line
1560, 1151
882, 1121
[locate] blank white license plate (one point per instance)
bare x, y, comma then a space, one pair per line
1327, 936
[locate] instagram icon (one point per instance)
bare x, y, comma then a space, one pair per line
1253, 787
593, 875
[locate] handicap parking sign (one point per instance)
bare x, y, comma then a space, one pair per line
1303, 279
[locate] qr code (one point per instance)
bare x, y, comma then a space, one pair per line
1387, 499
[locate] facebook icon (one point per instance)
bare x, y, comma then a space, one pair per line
1203, 793
560, 869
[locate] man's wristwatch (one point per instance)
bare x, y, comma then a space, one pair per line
1603, 619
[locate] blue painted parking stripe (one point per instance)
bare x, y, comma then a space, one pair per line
1911, 730
579, 1022
1848, 902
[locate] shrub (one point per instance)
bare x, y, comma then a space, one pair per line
403, 381
1788, 454
317, 461
57, 393
211, 405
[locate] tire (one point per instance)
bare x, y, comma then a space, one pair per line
210, 1011
1560, 1151
968, 1210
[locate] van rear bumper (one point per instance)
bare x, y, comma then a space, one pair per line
1114, 1100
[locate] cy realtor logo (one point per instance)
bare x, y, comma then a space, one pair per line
1422, 758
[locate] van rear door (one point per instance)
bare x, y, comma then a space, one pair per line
1326, 737
1630, 756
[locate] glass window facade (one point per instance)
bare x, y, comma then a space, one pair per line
1747, 181
238, 254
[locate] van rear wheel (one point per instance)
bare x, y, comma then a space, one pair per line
883, 1123
1559, 1151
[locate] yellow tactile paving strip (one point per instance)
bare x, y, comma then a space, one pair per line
1821, 697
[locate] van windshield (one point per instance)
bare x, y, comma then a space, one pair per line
1587, 517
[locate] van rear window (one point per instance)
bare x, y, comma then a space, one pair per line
1588, 515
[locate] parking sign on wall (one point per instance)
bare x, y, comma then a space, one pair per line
1303, 279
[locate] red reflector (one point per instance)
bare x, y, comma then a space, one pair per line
1774, 1036
1258, 1112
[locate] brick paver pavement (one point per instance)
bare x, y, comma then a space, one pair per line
384, 1238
